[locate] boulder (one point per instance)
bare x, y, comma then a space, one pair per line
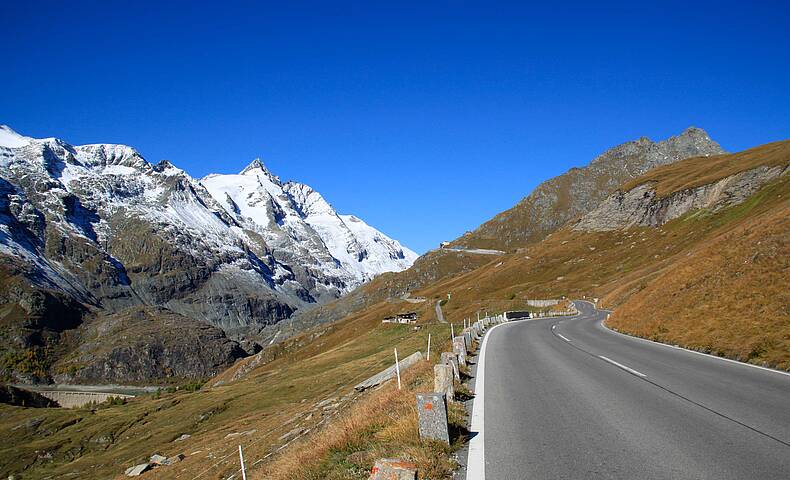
137, 470
157, 459
393, 469
173, 459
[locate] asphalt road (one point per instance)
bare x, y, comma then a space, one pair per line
439, 313
553, 408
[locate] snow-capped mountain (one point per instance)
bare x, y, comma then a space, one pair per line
104, 227
292, 216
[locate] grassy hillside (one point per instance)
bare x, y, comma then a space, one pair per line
273, 399
729, 296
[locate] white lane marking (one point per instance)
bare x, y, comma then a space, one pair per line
736, 362
475, 461
563, 337
627, 369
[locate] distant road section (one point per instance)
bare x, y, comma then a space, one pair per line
568, 398
439, 313
478, 251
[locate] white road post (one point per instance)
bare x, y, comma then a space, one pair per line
452, 332
429, 347
397, 367
243, 470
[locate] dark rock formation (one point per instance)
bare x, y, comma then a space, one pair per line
24, 398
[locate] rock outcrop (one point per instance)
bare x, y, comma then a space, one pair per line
24, 398
642, 207
145, 343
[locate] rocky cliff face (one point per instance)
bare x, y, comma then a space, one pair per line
89, 231
642, 207
145, 343
557, 201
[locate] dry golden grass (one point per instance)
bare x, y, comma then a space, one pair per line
383, 424
272, 399
728, 296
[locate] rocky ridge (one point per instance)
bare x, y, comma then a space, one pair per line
561, 199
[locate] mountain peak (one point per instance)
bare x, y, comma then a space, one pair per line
256, 168
695, 139
692, 130
254, 165
10, 139
695, 133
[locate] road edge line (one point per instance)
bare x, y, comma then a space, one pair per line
678, 347
475, 460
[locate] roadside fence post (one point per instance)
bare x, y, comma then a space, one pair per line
397, 367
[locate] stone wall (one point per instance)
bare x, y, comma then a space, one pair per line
542, 303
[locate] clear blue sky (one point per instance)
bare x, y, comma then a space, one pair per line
425, 118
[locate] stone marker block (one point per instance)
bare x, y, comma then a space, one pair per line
451, 359
468, 340
459, 348
393, 469
432, 413
443, 380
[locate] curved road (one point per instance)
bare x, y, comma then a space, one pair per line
568, 398
439, 313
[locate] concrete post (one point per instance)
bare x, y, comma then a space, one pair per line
451, 359
432, 413
459, 348
443, 380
